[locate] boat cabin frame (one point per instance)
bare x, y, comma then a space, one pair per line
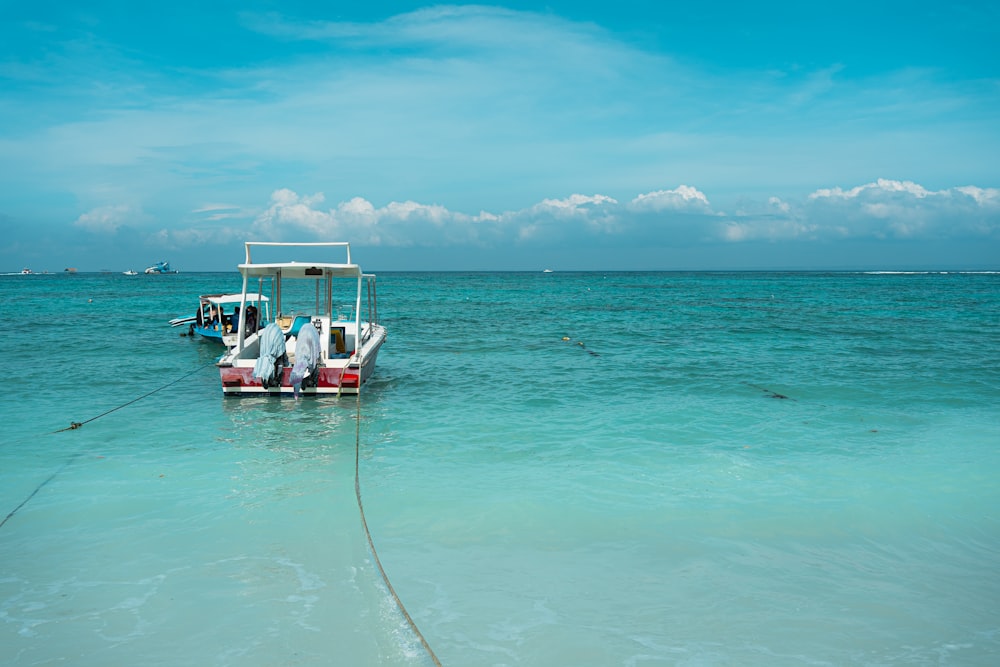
336, 298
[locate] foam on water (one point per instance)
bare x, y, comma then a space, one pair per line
572, 469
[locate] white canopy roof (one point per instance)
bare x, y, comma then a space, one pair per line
232, 298
301, 270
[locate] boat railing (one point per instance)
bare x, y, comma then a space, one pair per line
369, 279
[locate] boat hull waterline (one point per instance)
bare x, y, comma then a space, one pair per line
331, 381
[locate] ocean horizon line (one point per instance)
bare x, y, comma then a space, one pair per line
871, 271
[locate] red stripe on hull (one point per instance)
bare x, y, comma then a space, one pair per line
235, 380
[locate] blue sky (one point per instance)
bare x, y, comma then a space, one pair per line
575, 135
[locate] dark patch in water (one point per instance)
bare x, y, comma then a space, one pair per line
770, 394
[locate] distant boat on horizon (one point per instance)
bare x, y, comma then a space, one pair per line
160, 268
547, 271
130, 272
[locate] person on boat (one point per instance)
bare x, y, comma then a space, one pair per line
235, 320
251, 323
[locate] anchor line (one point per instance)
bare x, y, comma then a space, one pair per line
37, 489
76, 425
770, 394
368, 535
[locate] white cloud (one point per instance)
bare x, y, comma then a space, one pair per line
684, 197
887, 209
395, 224
289, 210
884, 209
217, 212
107, 219
879, 188
779, 205
983, 197
572, 206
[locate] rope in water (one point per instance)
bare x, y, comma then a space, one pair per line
368, 535
357, 493
37, 489
75, 425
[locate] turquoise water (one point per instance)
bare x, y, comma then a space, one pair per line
557, 469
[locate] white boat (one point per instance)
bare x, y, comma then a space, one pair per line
130, 272
218, 315
26, 272
325, 337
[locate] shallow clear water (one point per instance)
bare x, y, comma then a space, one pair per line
572, 469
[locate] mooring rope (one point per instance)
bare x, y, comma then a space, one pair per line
368, 535
38, 488
357, 493
76, 425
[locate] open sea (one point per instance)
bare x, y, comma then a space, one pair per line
573, 469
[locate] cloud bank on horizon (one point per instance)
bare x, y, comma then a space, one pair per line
882, 210
447, 129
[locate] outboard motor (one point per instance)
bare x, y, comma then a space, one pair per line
307, 351
272, 356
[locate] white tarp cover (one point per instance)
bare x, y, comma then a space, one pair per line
272, 348
307, 351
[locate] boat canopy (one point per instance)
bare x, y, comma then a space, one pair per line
301, 270
347, 269
220, 299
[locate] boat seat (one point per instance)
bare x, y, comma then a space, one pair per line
297, 324
338, 339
